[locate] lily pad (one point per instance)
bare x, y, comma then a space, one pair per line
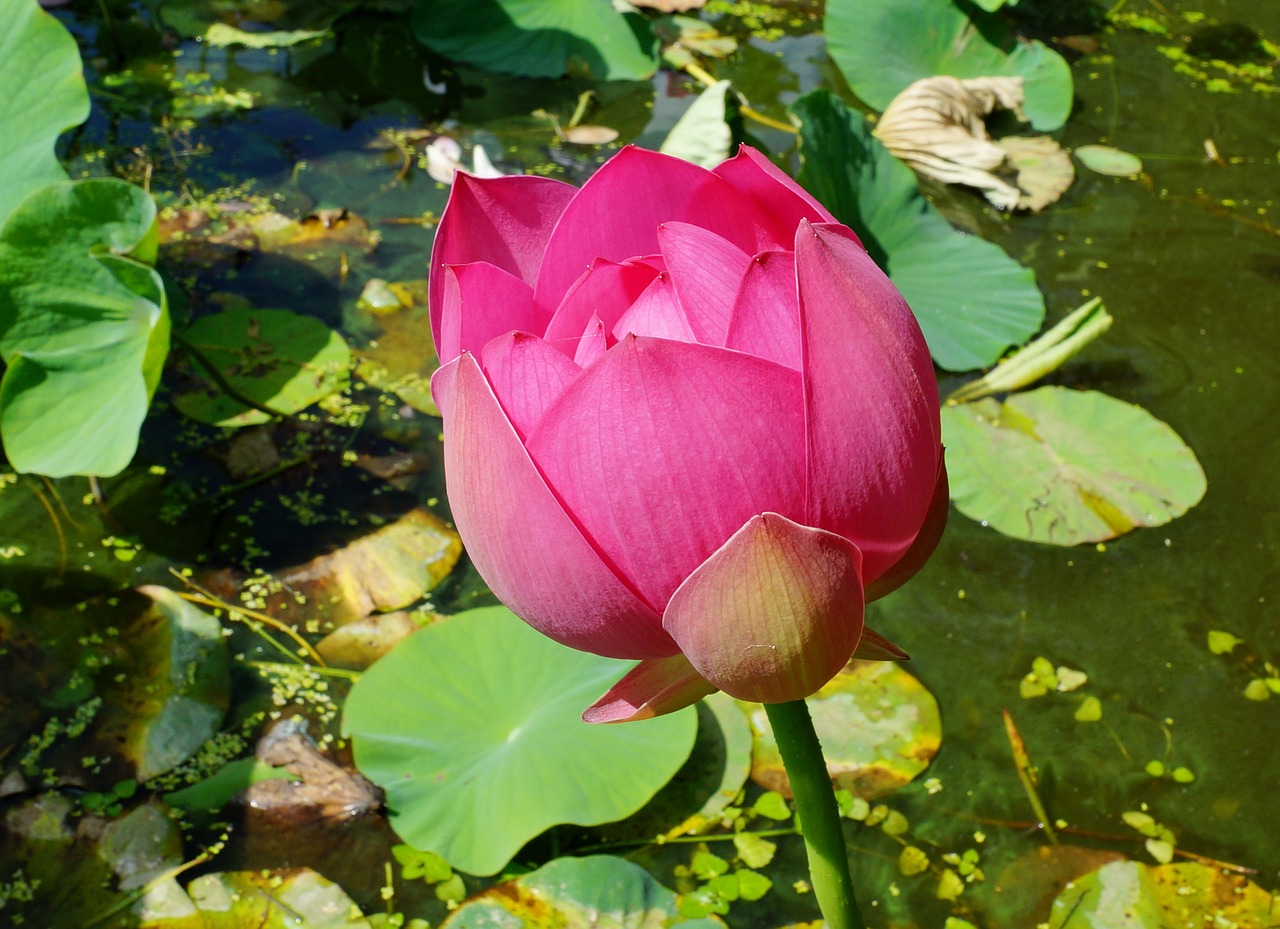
1066, 467
878, 725
473, 728
595, 39
972, 300
1103, 159
84, 327
1131, 895
45, 95
260, 363
882, 46
262, 899
177, 688
597, 892
395, 359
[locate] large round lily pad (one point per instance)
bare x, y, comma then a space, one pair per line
473, 728
598, 892
262, 899
1131, 895
878, 725
1066, 466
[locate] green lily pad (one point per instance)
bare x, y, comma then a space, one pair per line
1103, 159
473, 728
972, 300
280, 361
878, 725
1066, 467
262, 899
596, 39
84, 327
1131, 895
702, 135
883, 46
45, 95
177, 688
597, 892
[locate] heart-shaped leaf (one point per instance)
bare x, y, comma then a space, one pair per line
473, 728
84, 327
972, 300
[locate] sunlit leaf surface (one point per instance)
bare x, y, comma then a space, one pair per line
1065, 466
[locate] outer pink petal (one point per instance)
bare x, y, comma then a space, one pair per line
926, 541
774, 193
526, 375
765, 319
527, 549
657, 313
605, 291
871, 400
664, 449
505, 221
617, 213
480, 301
651, 688
705, 269
772, 615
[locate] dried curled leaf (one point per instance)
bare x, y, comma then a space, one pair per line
936, 126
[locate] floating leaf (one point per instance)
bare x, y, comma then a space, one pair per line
596, 892
882, 46
177, 689
216, 790
1104, 159
1130, 895
395, 359
221, 35
1222, 643
879, 728
84, 327
582, 38
972, 300
385, 570
702, 135
1090, 711
276, 360
45, 95
473, 728
1066, 467
262, 899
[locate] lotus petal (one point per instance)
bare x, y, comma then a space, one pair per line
775, 195
480, 301
653, 687
656, 313
656, 188
765, 318
871, 400
504, 221
626, 448
705, 269
772, 615
526, 375
605, 291
520, 539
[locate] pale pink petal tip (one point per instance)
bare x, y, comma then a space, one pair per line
774, 613
652, 688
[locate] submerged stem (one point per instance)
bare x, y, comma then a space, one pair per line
819, 815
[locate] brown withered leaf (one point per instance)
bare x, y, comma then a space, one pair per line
937, 126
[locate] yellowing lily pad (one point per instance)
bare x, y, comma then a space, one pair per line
397, 359
1130, 895
878, 725
597, 892
262, 899
1103, 159
1067, 466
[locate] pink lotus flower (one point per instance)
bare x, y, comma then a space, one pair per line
687, 420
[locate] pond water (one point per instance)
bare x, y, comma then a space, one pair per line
1186, 257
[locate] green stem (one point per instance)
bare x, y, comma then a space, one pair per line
819, 816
